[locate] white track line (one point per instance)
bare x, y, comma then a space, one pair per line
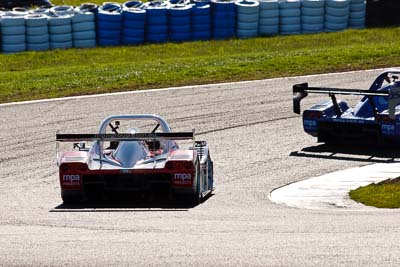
174, 88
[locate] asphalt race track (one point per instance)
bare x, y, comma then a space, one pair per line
257, 144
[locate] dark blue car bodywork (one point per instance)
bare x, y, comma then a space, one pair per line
375, 119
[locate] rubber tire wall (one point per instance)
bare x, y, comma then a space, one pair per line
223, 16
179, 23
13, 34
290, 17
247, 18
312, 16
201, 21
84, 29
268, 18
37, 32
157, 22
109, 24
134, 19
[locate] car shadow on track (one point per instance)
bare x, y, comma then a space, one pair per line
371, 154
128, 205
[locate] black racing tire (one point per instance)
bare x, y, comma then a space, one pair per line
210, 173
71, 197
195, 198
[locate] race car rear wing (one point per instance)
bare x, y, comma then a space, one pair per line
125, 137
301, 91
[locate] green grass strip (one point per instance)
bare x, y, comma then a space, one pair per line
57, 73
378, 195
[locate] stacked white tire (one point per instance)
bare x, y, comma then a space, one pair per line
60, 27
312, 16
247, 18
336, 15
268, 23
357, 14
290, 17
13, 33
37, 32
83, 29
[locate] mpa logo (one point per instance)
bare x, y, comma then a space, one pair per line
71, 179
182, 178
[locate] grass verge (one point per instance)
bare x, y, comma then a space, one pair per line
382, 195
57, 73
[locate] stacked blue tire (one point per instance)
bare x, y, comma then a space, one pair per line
179, 22
134, 19
336, 15
37, 32
223, 16
247, 18
13, 33
157, 21
1, 15
269, 17
290, 17
83, 28
60, 27
357, 14
89, 7
201, 21
312, 16
109, 24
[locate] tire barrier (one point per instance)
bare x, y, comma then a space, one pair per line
223, 17
40, 10
13, 32
60, 30
156, 21
201, 21
336, 15
179, 22
60, 27
268, 18
357, 14
62, 10
134, 19
109, 24
83, 28
89, 7
312, 16
290, 17
1, 15
247, 13
37, 32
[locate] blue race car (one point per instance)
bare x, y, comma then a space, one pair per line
375, 119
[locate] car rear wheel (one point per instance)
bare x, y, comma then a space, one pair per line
71, 197
196, 197
210, 174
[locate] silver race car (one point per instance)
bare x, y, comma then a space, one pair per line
123, 159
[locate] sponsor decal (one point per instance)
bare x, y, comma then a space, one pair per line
310, 125
71, 179
182, 178
388, 129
